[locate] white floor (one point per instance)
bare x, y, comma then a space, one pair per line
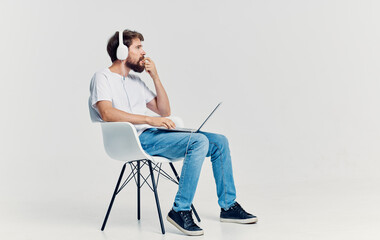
306, 210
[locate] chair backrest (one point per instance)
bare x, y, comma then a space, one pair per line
121, 141
93, 114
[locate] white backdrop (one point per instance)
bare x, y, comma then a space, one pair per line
299, 81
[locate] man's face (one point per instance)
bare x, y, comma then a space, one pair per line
135, 56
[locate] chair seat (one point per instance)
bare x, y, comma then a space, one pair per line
158, 159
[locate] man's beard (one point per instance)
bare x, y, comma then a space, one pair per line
135, 67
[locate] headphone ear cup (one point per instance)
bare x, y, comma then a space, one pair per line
122, 52
122, 49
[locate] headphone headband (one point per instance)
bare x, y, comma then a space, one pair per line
121, 37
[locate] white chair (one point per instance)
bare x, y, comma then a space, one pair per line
122, 143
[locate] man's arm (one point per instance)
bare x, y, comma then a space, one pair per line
160, 104
153, 105
111, 114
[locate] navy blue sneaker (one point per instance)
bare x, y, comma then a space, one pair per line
236, 214
183, 220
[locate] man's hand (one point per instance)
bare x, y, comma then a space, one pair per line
161, 122
150, 68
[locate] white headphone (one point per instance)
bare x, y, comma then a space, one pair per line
122, 49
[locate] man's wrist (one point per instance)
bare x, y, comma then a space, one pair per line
147, 119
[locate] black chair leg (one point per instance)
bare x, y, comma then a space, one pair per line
192, 206
113, 198
138, 190
156, 196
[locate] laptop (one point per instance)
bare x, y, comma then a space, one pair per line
190, 130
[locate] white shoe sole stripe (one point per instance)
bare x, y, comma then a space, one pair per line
248, 220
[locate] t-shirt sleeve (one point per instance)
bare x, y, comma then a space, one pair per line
148, 94
99, 89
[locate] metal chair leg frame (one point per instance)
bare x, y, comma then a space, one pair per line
138, 190
156, 196
113, 197
192, 206
138, 183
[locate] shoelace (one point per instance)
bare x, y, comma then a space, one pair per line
240, 210
188, 218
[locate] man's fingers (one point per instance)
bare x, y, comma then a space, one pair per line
170, 124
167, 123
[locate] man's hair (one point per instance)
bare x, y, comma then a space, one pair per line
113, 42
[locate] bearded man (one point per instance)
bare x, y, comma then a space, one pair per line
120, 96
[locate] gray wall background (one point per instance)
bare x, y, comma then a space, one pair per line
299, 81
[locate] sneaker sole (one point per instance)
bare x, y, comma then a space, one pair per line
190, 233
248, 220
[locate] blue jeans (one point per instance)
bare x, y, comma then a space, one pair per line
199, 145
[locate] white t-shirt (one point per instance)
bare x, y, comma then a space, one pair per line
130, 95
